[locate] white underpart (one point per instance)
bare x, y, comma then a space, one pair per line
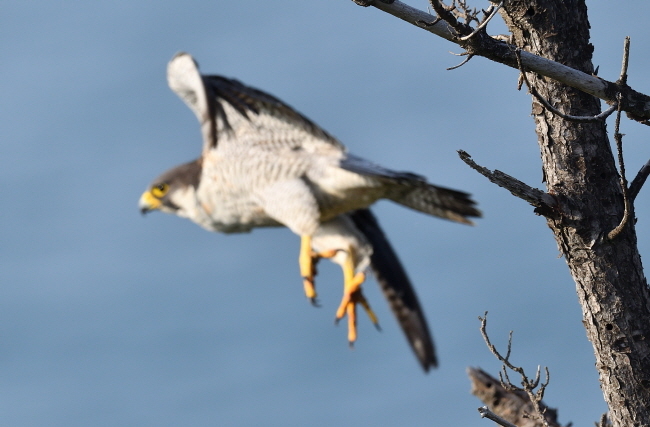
341, 234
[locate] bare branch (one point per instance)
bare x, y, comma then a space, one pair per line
527, 385
447, 15
512, 405
626, 59
462, 11
429, 24
548, 106
638, 181
493, 349
545, 203
636, 104
366, 3
486, 413
618, 137
465, 61
485, 22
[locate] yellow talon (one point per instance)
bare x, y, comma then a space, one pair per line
371, 314
352, 323
352, 295
307, 261
352, 282
307, 266
351, 291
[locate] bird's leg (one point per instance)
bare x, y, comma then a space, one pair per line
352, 295
307, 260
307, 268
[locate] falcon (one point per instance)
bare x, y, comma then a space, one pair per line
263, 164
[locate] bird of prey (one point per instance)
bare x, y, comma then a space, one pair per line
264, 164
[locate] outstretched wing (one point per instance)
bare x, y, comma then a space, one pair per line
230, 111
184, 79
397, 288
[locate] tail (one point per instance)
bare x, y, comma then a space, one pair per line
415, 192
437, 201
397, 289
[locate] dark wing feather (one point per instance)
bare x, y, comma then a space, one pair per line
397, 288
227, 107
252, 103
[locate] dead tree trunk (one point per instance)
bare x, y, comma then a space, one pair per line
584, 201
580, 172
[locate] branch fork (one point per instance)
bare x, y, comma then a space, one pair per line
533, 389
635, 104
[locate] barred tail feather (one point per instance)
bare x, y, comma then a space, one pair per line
437, 201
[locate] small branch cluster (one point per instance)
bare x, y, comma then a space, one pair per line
449, 15
488, 15
459, 11
463, 12
532, 388
635, 104
506, 406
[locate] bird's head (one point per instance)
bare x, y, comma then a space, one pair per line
174, 191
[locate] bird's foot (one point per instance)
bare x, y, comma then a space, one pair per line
307, 261
352, 295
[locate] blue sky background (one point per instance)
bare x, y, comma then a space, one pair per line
109, 319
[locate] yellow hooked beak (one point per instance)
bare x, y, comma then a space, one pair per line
148, 202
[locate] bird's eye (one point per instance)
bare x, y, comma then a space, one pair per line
160, 190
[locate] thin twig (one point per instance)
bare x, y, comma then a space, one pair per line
626, 58
634, 103
486, 413
465, 61
528, 386
618, 137
548, 106
484, 23
493, 349
426, 24
638, 181
448, 16
512, 405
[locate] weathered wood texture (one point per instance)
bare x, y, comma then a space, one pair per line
580, 172
512, 405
